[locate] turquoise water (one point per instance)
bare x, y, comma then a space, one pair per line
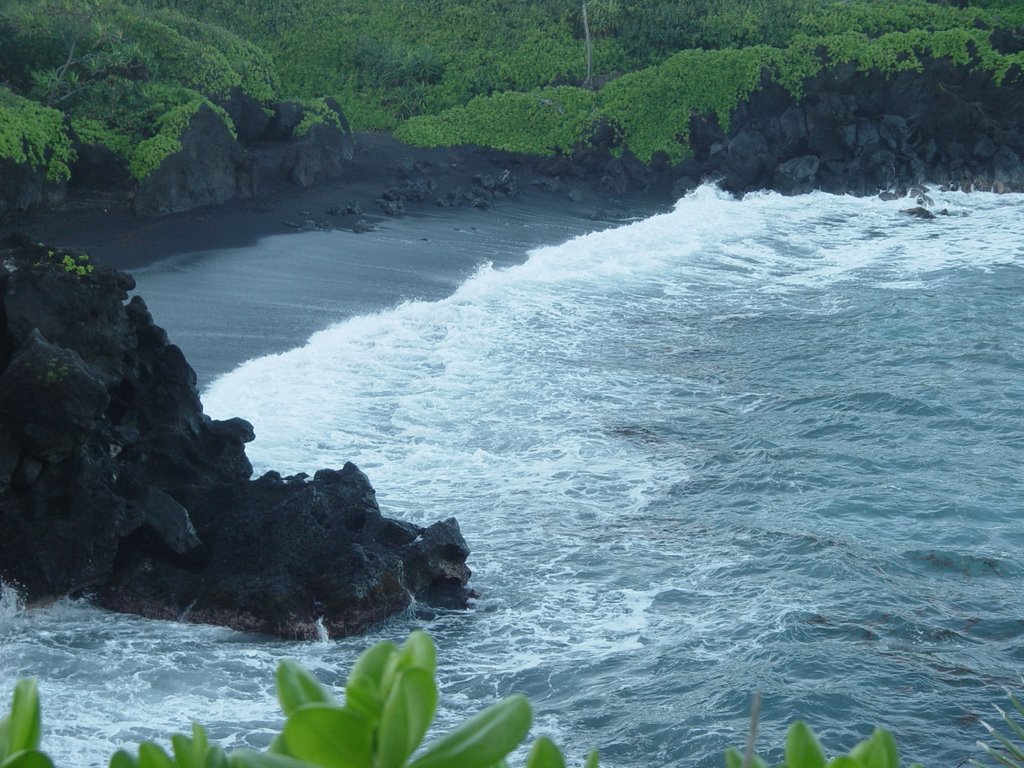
773, 443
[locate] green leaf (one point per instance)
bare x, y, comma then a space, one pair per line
879, 751
23, 728
364, 689
246, 758
27, 758
369, 667
153, 756
191, 753
544, 754
367, 703
406, 716
803, 750
591, 759
296, 687
845, 761
418, 651
123, 759
329, 736
279, 746
482, 740
734, 759
215, 758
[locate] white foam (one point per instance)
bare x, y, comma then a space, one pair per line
529, 405
11, 605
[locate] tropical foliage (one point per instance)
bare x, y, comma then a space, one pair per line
129, 80
504, 73
390, 700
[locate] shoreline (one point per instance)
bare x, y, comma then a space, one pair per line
101, 224
235, 282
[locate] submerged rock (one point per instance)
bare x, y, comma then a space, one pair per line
113, 480
918, 212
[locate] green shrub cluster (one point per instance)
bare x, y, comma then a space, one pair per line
174, 108
75, 264
651, 108
484, 71
127, 78
390, 701
34, 134
394, 59
200, 56
316, 112
545, 121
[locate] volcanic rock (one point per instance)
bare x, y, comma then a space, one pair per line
114, 481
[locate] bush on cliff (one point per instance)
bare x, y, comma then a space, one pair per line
399, 58
129, 79
33, 134
650, 109
390, 701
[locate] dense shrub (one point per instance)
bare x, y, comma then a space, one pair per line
127, 79
33, 134
651, 108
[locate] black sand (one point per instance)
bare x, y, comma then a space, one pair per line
236, 282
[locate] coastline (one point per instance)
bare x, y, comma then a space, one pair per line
101, 223
263, 287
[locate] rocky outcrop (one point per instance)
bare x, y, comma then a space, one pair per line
862, 133
320, 154
212, 167
24, 186
205, 171
114, 482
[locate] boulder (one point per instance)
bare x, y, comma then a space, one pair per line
285, 118
202, 172
250, 118
796, 176
746, 162
320, 154
24, 186
98, 167
113, 480
50, 400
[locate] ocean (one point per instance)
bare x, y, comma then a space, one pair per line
771, 443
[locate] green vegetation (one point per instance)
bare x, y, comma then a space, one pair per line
34, 134
503, 73
390, 702
1008, 751
650, 108
20, 730
393, 59
126, 78
317, 112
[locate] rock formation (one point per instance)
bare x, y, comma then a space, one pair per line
113, 482
861, 133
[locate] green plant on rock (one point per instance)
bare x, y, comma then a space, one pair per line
76, 265
316, 112
33, 134
175, 107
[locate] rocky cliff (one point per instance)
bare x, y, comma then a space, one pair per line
114, 483
862, 133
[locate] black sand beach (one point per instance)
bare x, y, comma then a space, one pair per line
236, 282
